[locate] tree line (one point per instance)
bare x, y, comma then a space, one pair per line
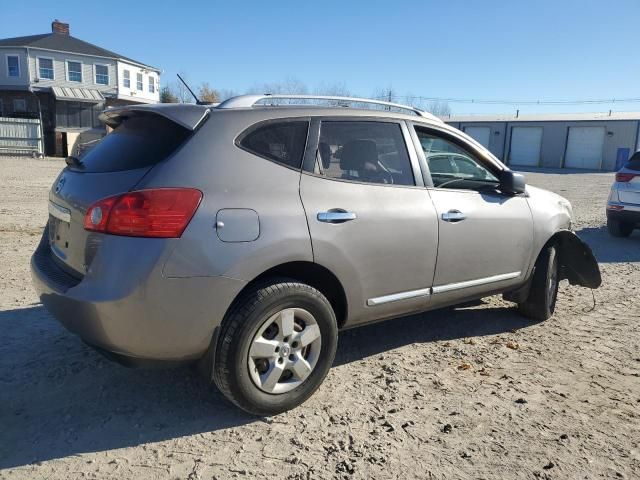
176, 92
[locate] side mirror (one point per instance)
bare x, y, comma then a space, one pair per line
511, 182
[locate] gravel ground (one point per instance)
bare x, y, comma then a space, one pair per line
470, 392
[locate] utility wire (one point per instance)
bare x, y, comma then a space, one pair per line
510, 102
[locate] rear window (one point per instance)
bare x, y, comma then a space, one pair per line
281, 142
140, 141
634, 162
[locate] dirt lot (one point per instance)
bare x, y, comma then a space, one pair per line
562, 403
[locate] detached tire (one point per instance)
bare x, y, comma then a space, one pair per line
619, 229
275, 347
541, 302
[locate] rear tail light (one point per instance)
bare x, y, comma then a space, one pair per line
158, 213
625, 177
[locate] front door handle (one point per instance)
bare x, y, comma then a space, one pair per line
336, 216
453, 216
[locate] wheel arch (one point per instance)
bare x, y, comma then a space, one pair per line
312, 274
575, 259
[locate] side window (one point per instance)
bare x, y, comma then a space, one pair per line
451, 166
370, 152
282, 142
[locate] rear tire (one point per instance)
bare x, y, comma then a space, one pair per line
618, 228
275, 347
541, 302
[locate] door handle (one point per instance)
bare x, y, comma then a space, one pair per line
336, 216
453, 216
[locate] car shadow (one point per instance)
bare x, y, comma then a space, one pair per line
610, 249
58, 397
451, 323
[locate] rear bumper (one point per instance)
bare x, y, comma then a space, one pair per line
623, 212
125, 306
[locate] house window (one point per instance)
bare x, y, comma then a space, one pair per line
45, 68
126, 79
78, 114
13, 66
152, 84
1, 108
102, 75
19, 105
139, 84
74, 71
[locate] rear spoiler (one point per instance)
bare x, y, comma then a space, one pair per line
186, 115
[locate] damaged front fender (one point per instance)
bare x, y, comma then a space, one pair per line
577, 262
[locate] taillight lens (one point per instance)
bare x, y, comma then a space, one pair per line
158, 213
625, 177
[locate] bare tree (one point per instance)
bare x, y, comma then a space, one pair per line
184, 96
386, 94
414, 101
167, 95
290, 86
439, 108
207, 94
226, 93
337, 89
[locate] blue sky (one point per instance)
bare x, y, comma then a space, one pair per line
513, 50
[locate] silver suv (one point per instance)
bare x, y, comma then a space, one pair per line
623, 206
245, 235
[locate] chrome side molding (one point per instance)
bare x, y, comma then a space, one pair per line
474, 283
395, 297
425, 292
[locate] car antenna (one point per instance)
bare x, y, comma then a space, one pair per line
198, 102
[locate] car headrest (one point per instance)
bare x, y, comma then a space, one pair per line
356, 153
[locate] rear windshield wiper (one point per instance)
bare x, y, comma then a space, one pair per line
74, 162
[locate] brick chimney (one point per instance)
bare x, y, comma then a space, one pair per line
58, 27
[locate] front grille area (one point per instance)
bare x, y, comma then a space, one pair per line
43, 260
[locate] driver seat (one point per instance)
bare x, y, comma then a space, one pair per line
354, 159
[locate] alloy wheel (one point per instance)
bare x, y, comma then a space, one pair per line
284, 351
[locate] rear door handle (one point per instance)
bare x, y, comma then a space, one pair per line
453, 216
336, 216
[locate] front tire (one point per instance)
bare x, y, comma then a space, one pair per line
618, 228
541, 302
275, 347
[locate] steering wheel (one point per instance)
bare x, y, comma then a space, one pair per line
385, 174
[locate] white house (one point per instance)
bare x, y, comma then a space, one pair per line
67, 82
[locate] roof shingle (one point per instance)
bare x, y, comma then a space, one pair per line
64, 43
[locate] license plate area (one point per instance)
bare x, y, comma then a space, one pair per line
59, 230
629, 196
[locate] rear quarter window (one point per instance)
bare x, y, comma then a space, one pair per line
139, 141
634, 162
281, 142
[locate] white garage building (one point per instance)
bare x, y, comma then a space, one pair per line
594, 141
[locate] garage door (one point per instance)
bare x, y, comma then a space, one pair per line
584, 147
479, 134
525, 146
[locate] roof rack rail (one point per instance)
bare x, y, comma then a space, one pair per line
246, 101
